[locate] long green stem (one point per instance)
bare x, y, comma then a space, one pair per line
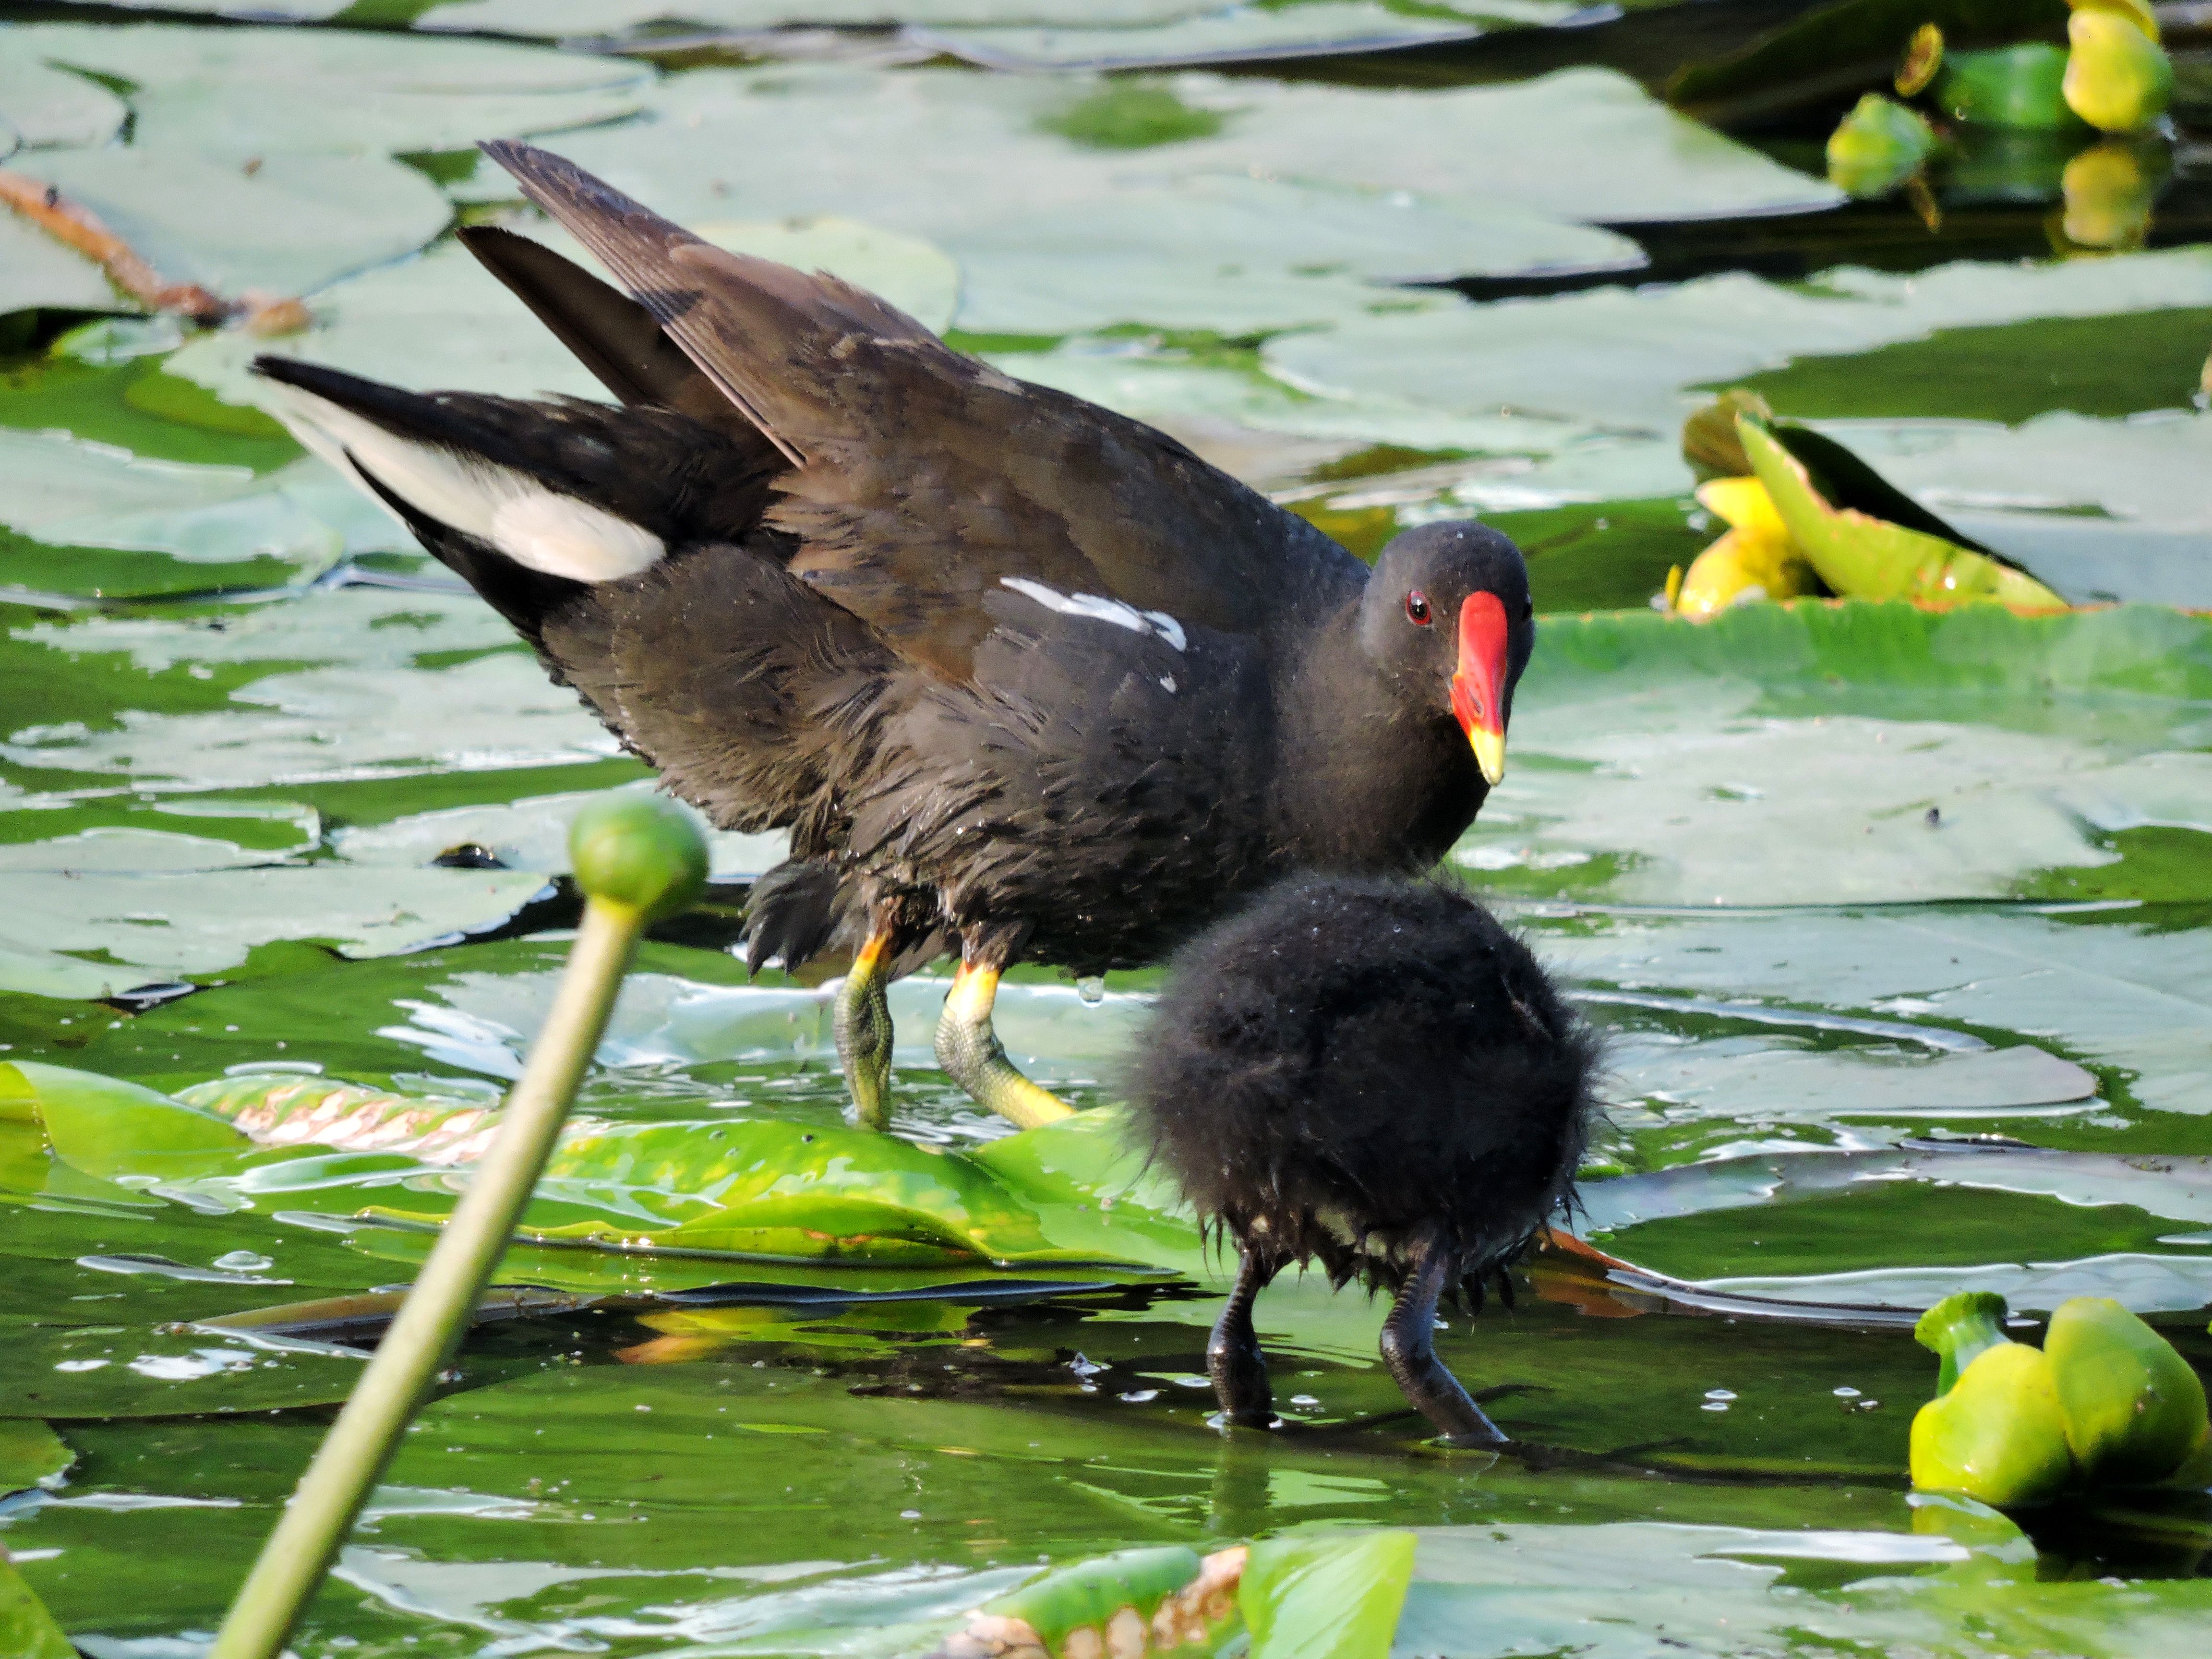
361, 1442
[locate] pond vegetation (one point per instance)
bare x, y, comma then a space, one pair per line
1898, 918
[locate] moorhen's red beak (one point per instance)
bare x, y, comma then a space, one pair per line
1478, 685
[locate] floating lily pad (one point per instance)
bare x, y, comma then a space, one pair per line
30, 1454
1241, 34
1708, 773
43, 106
555, 18
242, 95
1786, 1591
37, 272
293, 223
443, 320
70, 934
2123, 994
1610, 358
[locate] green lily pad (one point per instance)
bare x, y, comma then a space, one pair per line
443, 320
68, 935
43, 106
236, 94
37, 273
297, 222
554, 19
25, 1625
1610, 359
31, 1454
1319, 1596
1710, 789
1241, 34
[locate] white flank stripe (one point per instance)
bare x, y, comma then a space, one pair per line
1100, 610
537, 527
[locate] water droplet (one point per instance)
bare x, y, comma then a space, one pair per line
1718, 1394
1714, 1406
1139, 1396
1091, 989
909, 1515
1847, 1394
243, 1262
1303, 1400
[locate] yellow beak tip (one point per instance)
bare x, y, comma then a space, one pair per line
1490, 755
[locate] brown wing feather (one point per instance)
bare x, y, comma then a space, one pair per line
922, 479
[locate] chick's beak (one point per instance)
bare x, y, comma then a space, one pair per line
1478, 685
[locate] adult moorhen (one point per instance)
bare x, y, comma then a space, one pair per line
1019, 675
1376, 1074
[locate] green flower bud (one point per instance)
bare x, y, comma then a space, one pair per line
1960, 1329
1877, 147
2020, 86
2117, 78
644, 853
1999, 1435
2134, 1408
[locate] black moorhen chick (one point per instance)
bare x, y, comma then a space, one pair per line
1023, 678
1378, 1075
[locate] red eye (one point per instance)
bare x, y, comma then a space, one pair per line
1417, 608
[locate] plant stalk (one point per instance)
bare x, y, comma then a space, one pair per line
353, 1455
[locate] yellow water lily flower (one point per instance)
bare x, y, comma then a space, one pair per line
1755, 560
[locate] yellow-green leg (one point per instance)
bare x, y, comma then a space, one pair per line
861, 1019
970, 1049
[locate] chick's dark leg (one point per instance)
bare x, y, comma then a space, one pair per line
1408, 1349
1233, 1358
861, 1019
970, 1050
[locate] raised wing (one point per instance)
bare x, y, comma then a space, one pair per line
923, 481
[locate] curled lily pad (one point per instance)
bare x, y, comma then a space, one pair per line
1326, 1595
26, 1629
745, 1187
1863, 557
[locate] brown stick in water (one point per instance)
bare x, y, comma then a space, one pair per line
44, 206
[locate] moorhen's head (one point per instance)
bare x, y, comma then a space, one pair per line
1448, 619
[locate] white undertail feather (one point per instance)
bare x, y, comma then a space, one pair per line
537, 527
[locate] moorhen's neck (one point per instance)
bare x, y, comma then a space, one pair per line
1371, 773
